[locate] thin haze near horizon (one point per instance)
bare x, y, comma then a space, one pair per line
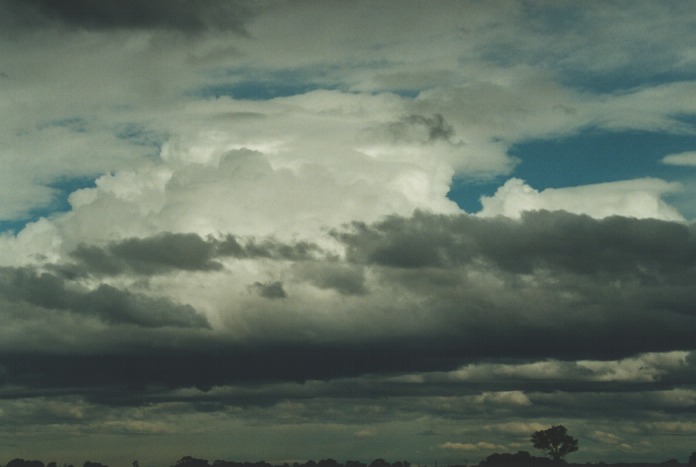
302, 229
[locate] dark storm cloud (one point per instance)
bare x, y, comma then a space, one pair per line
202, 363
187, 252
345, 279
651, 250
106, 303
272, 290
421, 127
151, 255
558, 285
179, 15
437, 126
267, 248
443, 292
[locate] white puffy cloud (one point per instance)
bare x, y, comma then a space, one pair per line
687, 159
640, 198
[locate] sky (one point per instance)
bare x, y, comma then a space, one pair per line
291, 230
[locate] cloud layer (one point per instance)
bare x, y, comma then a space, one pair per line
243, 217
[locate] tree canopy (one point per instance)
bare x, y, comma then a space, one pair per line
555, 441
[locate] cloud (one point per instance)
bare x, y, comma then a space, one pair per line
604, 437
273, 290
167, 252
344, 278
670, 426
366, 433
504, 398
653, 368
238, 221
634, 198
420, 128
107, 303
687, 159
147, 256
516, 428
425, 293
648, 367
179, 15
538, 240
480, 446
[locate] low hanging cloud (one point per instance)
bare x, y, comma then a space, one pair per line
272, 290
106, 303
167, 252
569, 297
476, 447
151, 255
538, 240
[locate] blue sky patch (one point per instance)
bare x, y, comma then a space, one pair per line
59, 203
598, 157
467, 192
586, 158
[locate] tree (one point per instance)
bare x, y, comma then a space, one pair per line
692, 459
555, 441
520, 459
24, 463
188, 461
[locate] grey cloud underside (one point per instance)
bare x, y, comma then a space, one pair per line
179, 15
51, 293
271, 290
647, 249
188, 252
435, 128
551, 285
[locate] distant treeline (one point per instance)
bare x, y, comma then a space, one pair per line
189, 461
525, 459
26, 463
519, 459
192, 462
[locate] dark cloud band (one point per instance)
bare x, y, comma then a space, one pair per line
425, 293
179, 15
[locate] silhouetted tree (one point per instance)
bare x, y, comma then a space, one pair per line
93, 464
519, 459
188, 461
379, 463
692, 459
555, 441
24, 463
